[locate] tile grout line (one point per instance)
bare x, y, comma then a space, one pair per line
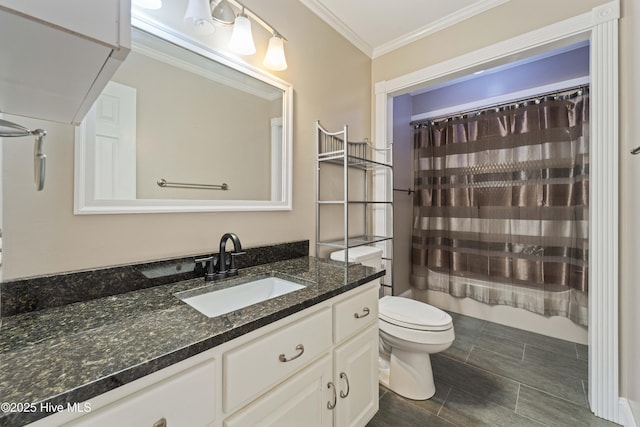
469, 354
515, 410
524, 350
444, 401
559, 397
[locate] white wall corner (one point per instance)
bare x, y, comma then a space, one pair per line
625, 414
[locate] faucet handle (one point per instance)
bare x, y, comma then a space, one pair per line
210, 263
233, 270
207, 259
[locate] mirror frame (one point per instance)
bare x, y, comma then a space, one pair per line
83, 204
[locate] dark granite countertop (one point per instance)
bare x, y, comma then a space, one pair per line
75, 352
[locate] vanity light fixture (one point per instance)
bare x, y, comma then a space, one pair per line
202, 14
275, 59
199, 14
223, 13
241, 38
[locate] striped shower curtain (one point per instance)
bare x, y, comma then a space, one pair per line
500, 212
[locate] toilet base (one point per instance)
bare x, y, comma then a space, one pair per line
408, 374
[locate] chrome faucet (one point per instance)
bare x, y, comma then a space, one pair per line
216, 267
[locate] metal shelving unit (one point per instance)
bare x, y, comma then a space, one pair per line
364, 165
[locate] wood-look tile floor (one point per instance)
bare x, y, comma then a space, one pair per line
494, 375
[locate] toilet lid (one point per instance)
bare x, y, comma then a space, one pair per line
413, 314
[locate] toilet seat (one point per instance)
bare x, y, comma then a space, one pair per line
412, 314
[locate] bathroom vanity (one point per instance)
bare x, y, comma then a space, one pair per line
308, 357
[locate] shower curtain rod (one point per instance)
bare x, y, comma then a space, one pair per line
509, 105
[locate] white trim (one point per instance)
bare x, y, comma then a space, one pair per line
602, 26
626, 417
336, 23
438, 25
373, 52
507, 97
603, 212
574, 29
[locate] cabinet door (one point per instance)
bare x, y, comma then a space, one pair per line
356, 379
299, 401
186, 399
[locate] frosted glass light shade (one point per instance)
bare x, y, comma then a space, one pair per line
275, 59
199, 14
223, 13
148, 4
241, 38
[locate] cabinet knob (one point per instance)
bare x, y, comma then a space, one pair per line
330, 404
162, 422
284, 358
366, 312
344, 377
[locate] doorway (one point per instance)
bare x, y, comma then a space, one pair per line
600, 28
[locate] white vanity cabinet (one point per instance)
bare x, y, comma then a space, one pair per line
316, 367
340, 389
59, 55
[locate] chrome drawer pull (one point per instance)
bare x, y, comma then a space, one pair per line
343, 376
366, 312
162, 422
299, 347
335, 398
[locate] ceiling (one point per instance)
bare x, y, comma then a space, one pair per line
377, 27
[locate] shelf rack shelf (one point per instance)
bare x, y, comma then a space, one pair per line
372, 166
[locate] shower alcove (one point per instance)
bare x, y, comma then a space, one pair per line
600, 28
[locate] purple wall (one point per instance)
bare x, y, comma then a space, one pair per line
568, 65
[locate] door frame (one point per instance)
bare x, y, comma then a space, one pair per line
600, 26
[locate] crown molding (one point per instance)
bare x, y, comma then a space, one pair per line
433, 27
373, 52
345, 31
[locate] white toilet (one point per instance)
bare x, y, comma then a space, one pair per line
410, 331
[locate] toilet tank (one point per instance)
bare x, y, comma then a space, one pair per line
366, 255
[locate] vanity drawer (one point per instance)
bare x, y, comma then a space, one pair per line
185, 399
264, 362
355, 314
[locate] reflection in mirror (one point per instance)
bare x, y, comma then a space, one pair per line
177, 131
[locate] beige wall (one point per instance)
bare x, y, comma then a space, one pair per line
195, 130
331, 80
630, 205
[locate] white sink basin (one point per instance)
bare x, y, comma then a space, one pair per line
226, 300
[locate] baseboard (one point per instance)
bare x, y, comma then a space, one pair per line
625, 414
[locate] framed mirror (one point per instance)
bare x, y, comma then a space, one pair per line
180, 128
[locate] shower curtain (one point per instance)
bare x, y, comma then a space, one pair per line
500, 211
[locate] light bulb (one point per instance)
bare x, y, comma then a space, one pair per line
241, 38
275, 59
